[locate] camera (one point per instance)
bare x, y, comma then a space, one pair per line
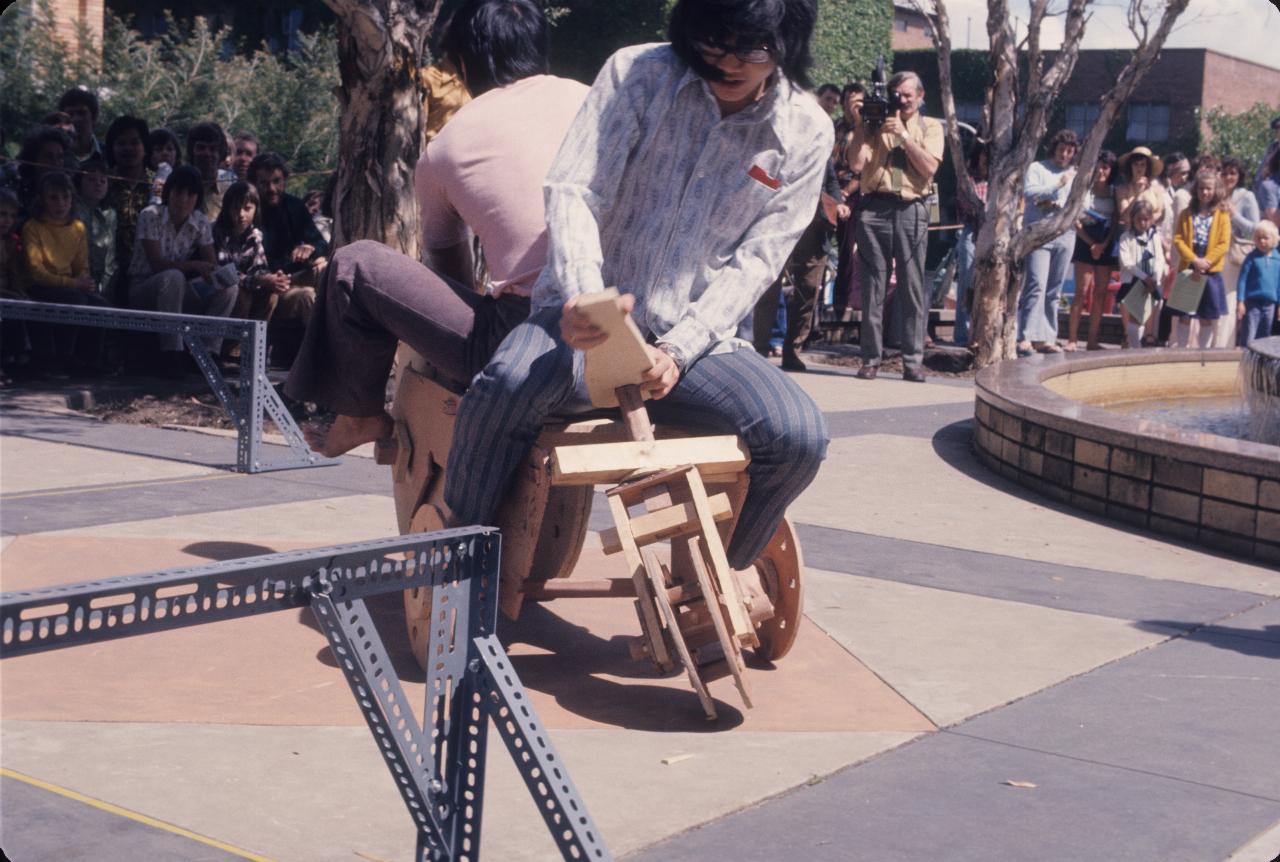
880, 103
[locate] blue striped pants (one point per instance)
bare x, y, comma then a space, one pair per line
534, 374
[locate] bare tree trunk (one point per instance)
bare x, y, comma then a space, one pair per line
1003, 243
381, 44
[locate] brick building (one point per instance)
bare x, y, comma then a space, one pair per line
70, 15
911, 30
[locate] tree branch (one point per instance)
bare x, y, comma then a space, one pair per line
965, 188
1144, 56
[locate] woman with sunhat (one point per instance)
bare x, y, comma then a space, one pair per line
1138, 170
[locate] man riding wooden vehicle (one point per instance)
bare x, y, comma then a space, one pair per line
685, 180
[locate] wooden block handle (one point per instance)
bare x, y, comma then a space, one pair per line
634, 413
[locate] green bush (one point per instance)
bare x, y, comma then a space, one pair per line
1245, 135
190, 74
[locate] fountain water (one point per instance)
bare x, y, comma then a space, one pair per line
1260, 384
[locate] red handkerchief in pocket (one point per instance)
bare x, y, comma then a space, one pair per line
758, 174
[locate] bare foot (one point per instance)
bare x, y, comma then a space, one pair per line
348, 432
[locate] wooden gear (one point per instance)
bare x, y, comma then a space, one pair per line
695, 613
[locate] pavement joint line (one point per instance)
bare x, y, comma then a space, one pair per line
133, 815
55, 438
1091, 762
876, 674
119, 486
1263, 598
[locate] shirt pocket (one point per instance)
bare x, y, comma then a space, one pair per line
744, 197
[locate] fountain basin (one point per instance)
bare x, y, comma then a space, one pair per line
1040, 423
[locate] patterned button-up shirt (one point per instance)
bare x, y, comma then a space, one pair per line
654, 193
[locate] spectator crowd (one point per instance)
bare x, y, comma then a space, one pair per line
142, 220
1183, 248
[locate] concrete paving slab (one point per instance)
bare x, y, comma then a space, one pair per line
1188, 709
954, 655
324, 520
946, 797
921, 421
936, 502
77, 429
28, 466
40, 824
1072, 588
834, 390
1262, 623
1264, 848
572, 655
319, 794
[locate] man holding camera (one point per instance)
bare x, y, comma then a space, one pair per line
896, 158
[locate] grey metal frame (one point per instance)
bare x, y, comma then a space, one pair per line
439, 770
256, 394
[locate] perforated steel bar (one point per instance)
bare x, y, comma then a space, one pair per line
256, 392
536, 758
364, 662
44, 619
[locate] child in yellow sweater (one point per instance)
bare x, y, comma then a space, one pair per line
1201, 241
57, 251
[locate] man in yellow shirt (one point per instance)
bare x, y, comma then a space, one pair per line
896, 163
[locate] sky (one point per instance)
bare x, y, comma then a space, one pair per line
1249, 29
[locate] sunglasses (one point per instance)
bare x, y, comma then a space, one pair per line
715, 53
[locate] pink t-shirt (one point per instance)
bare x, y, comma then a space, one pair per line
485, 171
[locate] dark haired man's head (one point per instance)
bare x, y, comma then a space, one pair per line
245, 147
82, 107
714, 36
829, 97
207, 149
1063, 147
497, 42
126, 143
268, 173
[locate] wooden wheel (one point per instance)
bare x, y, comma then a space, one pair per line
417, 601
780, 566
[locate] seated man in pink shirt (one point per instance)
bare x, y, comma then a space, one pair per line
482, 175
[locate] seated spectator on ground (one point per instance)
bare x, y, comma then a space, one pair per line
1259, 284
294, 244
244, 148
13, 281
13, 285
82, 107
238, 240
314, 202
57, 254
482, 173
99, 221
163, 155
62, 121
173, 264
130, 188
207, 150
44, 149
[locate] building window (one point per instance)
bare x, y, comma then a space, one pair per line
1081, 116
900, 24
1148, 122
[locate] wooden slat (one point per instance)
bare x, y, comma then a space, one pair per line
665, 523
609, 463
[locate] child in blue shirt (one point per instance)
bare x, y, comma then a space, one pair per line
1258, 287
